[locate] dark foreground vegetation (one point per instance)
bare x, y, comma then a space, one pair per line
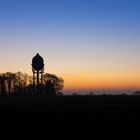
70, 107
19, 84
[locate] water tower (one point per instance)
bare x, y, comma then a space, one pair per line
38, 70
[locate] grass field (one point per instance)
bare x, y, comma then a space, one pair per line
71, 107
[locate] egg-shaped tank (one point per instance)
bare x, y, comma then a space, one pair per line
37, 62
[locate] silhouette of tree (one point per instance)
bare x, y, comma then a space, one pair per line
10, 78
53, 84
91, 94
2, 84
136, 93
59, 94
22, 84
74, 94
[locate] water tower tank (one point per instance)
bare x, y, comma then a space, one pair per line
37, 62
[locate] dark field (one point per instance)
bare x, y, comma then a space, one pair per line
70, 107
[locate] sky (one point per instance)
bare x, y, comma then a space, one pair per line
91, 44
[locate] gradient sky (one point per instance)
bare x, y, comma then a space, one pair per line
92, 44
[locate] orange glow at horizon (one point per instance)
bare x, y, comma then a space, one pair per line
98, 80
88, 81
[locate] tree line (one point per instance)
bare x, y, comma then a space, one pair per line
22, 84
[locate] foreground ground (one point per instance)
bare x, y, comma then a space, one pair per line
71, 107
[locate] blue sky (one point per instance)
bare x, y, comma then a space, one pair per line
83, 38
